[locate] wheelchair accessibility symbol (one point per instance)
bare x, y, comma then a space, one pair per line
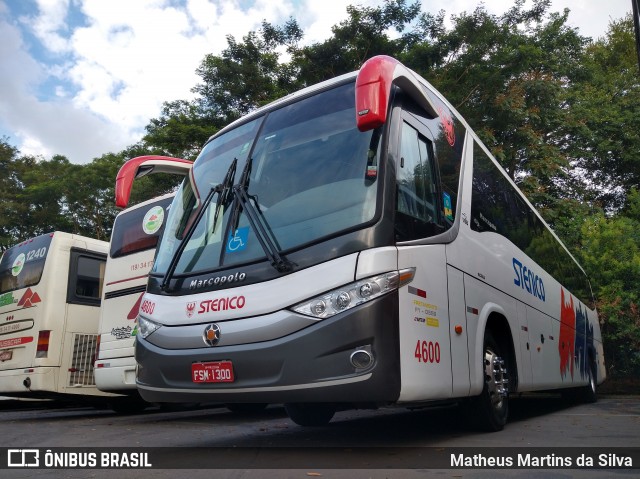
238, 241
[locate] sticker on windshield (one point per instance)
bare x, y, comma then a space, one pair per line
153, 220
448, 210
18, 264
238, 241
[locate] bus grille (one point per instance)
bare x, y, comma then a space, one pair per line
81, 371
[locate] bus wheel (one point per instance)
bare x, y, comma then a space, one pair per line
491, 408
307, 414
587, 393
246, 408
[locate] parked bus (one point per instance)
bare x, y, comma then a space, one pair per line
134, 237
356, 245
50, 290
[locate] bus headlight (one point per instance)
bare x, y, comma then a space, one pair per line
146, 327
353, 294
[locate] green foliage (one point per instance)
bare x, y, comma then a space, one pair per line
11, 209
507, 76
363, 35
181, 130
611, 254
248, 74
39, 196
604, 106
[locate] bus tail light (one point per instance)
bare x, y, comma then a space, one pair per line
353, 294
43, 344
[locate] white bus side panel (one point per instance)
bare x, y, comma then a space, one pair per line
118, 323
543, 350
425, 354
536, 325
460, 337
115, 369
525, 381
482, 301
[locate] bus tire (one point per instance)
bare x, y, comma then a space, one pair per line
310, 414
588, 393
489, 410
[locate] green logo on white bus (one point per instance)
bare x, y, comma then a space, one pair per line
7, 298
153, 220
18, 264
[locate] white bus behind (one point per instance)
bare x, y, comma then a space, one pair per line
50, 290
134, 237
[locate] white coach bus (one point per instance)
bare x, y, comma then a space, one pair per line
355, 245
134, 238
50, 290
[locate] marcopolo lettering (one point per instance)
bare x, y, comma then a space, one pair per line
217, 280
221, 304
528, 280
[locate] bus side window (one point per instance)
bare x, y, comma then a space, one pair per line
86, 275
416, 200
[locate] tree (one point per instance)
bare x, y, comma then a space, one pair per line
46, 188
243, 77
611, 256
364, 34
181, 130
248, 74
507, 75
91, 206
34, 194
11, 209
604, 106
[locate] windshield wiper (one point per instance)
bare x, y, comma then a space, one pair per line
222, 190
258, 222
225, 188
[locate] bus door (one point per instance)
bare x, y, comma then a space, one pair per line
425, 351
84, 291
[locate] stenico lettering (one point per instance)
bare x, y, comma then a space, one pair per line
221, 304
528, 280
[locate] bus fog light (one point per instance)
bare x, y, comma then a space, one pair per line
361, 359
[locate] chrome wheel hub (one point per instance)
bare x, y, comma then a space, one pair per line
496, 377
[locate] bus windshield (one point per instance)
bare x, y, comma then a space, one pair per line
307, 172
138, 229
22, 265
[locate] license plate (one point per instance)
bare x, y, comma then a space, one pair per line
6, 355
212, 372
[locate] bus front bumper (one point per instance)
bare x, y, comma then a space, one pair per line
313, 364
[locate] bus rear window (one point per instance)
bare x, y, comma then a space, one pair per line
138, 229
23, 264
